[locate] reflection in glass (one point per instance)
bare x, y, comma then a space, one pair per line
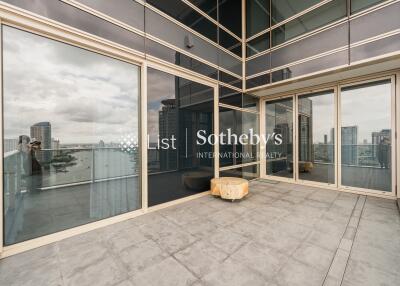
177, 109
366, 145
284, 9
358, 5
187, 16
316, 125
229, 42
233, 124
70, 136
258, 45
312, 20
279, 124
249, 172
207, 6
257, 16
230, 15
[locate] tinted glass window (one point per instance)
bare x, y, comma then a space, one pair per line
283, 9
176, 110
233, 124
187, 16
257, 16
248, 172
316, 131
367, 141
258, 81
71, 130
208, 6
358, 5
258, 45
230, 15
230, 43
229, 79
279, 126
317, 18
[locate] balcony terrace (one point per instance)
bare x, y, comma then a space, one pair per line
281, 234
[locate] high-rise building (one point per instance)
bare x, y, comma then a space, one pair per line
349, 145
42, 132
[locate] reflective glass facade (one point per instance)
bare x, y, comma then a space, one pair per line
71, 131
177, 109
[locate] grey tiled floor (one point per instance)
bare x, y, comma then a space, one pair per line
280, 235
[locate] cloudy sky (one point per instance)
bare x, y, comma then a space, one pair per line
85, 96
160, 86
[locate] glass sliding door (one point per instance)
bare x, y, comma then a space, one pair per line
71, 129
316, 137
279, 136
367, 135
180, 163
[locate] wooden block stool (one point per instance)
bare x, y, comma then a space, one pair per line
229, 188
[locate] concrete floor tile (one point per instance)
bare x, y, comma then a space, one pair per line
102, 272
81, 256
265, 261
295, 273
361, 274
324, 240
139, 257
227, 240
165, 273
201, 227
201, 258
124, 239
314, 256
176, 241
232, 273
277, 240
379, 258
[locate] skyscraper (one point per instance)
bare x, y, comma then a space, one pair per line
349, 145
42, 132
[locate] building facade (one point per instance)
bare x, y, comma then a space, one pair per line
319, 79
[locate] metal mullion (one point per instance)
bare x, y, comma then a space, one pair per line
295, 138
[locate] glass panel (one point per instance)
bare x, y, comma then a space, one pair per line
230, 43
366, 144
172, 56
358, 5
67, 14
208, 6
257, 16
180, 163
316, 125
229, 79
312, 66
237, 145
259, 64
127, 11
317, 18
258, 45
187, 16
230, 15
258, 81
248, 172
279, 131
283, 9
71, 136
